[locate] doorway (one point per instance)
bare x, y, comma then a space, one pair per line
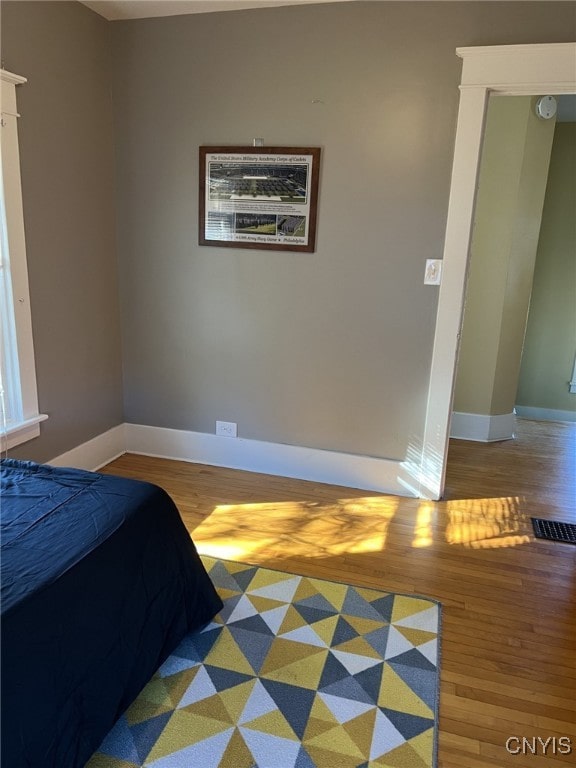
545, 390
522, 179
513, 70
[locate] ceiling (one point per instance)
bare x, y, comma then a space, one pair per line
115, 10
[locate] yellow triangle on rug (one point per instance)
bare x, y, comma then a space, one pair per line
294, 672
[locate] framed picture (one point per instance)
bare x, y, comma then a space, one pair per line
259, 197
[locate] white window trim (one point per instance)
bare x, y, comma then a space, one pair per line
28, 424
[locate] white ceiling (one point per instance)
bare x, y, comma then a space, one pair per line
140, 9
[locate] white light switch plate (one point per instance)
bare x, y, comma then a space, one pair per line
433, 274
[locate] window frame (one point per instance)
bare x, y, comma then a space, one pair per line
25, 424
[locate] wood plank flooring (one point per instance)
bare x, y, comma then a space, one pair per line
509, 620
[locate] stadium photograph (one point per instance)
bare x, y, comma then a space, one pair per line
292, 226
257, 181
256, 223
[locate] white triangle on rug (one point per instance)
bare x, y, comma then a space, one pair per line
355, 663
270, 751
200, 688
426, 620
275, 616
174, 664
242, 610
344, 709
306, 635
280, 590
396, 644
212, 625
259, 703
386, 736
430, 650
207, 753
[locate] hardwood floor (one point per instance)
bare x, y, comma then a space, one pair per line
508, 665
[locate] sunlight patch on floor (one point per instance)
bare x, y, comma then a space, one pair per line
487, 523
423, 533
290, 529
233, 549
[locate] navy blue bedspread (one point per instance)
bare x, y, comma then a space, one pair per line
99, 583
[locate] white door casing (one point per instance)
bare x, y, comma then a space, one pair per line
540, 69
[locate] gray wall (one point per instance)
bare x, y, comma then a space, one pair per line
550, 343
328, 350
67, 160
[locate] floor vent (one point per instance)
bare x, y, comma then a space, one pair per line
554, 530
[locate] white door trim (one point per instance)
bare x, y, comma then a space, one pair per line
506, 69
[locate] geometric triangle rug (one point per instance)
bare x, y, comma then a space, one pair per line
294, 672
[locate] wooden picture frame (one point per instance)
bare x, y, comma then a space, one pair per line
258, 197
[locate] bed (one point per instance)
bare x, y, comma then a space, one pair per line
99, 583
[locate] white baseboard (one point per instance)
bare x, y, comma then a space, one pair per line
544, 414
364, 472
481, 428
96, 452
348, 470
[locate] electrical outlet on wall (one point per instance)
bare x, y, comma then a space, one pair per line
227, 428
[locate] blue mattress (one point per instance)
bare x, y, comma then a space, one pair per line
99, 582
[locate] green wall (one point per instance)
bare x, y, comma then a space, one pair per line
550, 344
513, 173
